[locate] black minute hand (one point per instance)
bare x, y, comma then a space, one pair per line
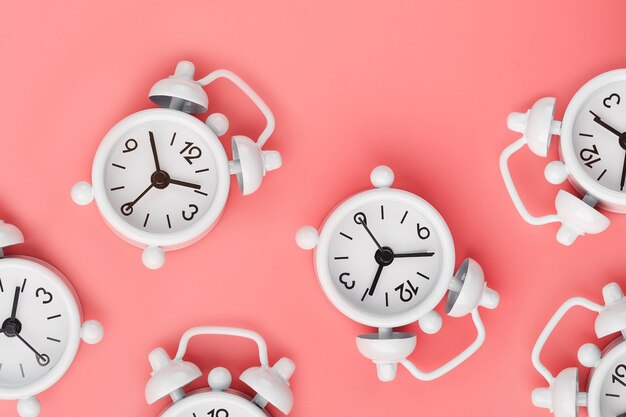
16, 299
43, 359
154, 151
413, 255
604, 124
360, 218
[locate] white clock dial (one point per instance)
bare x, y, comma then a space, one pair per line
215, 404
35, 317
613, 388
397, 275
599, 136
161, 177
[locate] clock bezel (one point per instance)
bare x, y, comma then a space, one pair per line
177, 239
201, 396
609, 199
73, 308
361, 315
594, 388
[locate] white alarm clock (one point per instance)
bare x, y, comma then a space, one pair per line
161, 177
385, 258
42, 325
592, 151
606, 384
170, 376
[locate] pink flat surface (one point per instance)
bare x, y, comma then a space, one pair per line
424, 87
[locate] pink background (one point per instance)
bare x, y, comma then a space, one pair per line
424, 87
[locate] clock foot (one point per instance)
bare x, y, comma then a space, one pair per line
386, 352
578, 218
82, 193
28, 407
307, 237
153, 257
91, 332
218, 124
382, 177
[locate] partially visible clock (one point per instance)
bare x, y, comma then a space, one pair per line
592, 148
161, 177
171, 375
41, 325
385, 258
606, 384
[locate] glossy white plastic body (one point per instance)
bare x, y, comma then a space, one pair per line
184, 95
89, 331
166, 241
170, 376
562, 397
467, 289
537, 126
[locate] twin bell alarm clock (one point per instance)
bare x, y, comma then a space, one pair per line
170, 376
42, 325
592, 152
606, 384
385, 258
161, 177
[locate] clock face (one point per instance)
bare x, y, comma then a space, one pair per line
613, 386
214, 404
385, 256
599, 136
36, 324
161, 176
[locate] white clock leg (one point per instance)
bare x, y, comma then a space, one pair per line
91, 332
82, 193
382, 177
431, 322
28, 407
153, 257
218, 123
307, 237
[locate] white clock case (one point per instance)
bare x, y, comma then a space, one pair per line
562, 396
167, 241
90, 331
607, 199
169, 376
180, 94
616, 348
65, 289
225, 398
345, 208
537, 125
467, 289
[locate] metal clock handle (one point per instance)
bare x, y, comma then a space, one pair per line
454, 362
547, 331
225, 331
243, 86
510, 186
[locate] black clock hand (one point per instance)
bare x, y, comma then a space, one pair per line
623, 174
185, 184
359, 218
413, 255
127, 209
16, 299
376, 278
154, 151
605, 125
43, 359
